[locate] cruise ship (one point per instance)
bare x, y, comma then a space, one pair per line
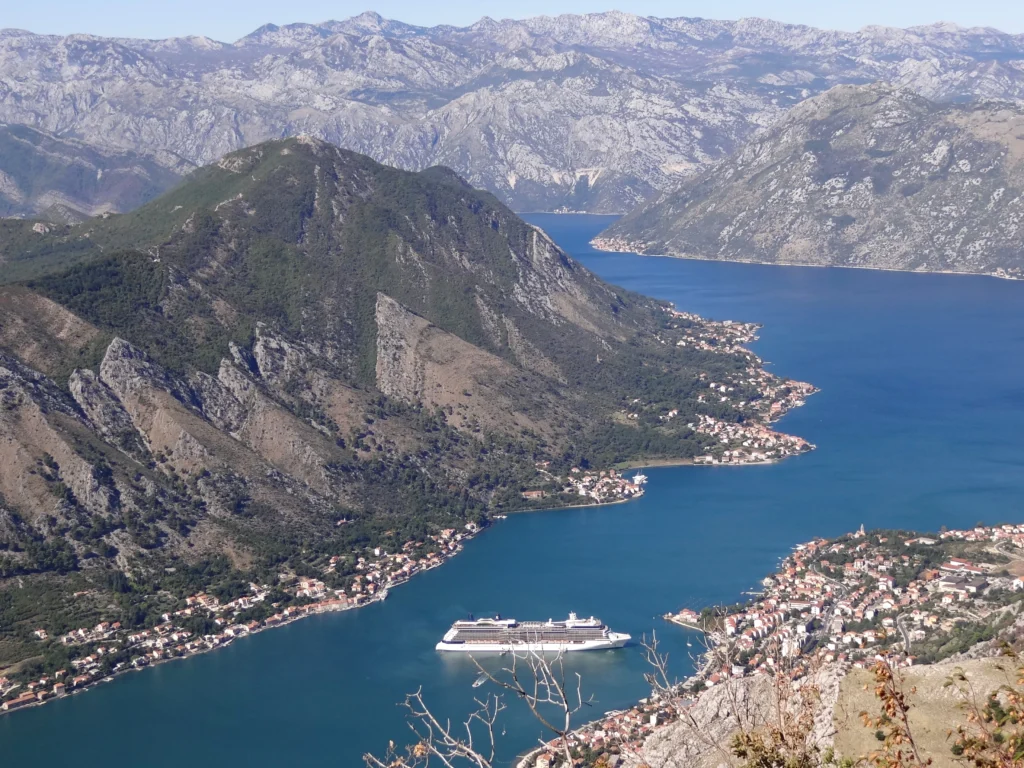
502, 635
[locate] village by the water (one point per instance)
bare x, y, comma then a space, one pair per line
107, 649
758, 394
901, 597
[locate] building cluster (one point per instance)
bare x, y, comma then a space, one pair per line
859, 599
610, 738
1009, 534
759, 395
856, 599
16, 695
94, 648
380, 570
746, 443
602, 487
774, 398
598, 487
716, 336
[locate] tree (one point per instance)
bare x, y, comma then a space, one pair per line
899, 748
993, 736
539, 681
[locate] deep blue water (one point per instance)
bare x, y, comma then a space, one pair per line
918, 425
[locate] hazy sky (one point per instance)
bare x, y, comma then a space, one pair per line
230, 19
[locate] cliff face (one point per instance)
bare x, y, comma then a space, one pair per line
593, 112
703, 735
861, 176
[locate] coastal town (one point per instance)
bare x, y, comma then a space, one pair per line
98, 653
753, 398
698, 332
747, 443
101, 652
867, 596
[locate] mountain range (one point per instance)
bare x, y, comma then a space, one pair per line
594, 113
860, 176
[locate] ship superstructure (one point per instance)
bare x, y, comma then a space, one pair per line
501, 635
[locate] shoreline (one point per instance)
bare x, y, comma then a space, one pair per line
77, 691
310, 612
654, 464
661, 463
377, 598
576, 506
607, 249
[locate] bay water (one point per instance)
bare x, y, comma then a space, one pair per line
919, 424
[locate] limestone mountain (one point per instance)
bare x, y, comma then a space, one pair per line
44, 176
295, 354
594, 112
860, 176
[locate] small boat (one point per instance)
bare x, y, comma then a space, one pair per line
639, 479
480, 680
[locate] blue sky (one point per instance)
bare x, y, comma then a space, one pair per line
230, 19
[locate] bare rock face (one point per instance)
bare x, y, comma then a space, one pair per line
38, 430
277, 359
861, 176
104, 410
218, 403
419, 363
593, 112
221, 423
702, 737
23, 385
128, 371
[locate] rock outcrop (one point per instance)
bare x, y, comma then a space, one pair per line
702, 737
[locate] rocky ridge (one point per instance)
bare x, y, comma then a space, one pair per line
593, 113
860, 176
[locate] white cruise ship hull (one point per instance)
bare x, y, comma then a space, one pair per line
614, 640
